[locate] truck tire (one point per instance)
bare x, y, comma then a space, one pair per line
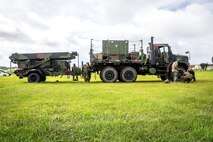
109, 74
128, 74
34, 78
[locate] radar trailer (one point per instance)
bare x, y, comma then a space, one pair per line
36, 66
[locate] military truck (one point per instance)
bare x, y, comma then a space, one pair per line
36, 66
117, 62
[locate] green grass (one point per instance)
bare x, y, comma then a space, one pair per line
147, 110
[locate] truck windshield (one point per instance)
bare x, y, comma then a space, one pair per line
164, 54
164, 49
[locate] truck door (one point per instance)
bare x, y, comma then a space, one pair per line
163, 54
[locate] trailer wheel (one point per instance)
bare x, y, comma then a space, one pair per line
128, 74
109, 74
34, 78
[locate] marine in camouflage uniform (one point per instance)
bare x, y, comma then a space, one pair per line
89, 71
74, 69
187, 77
192, 72
175, 70
86, 72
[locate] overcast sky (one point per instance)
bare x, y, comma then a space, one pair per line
68, 25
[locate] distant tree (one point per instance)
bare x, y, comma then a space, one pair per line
204, 66
212, 59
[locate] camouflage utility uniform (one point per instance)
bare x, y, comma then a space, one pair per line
175, 70
187, 77
192, 72
89, 71
74, 69
86, 72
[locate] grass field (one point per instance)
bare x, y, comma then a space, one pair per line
147, 110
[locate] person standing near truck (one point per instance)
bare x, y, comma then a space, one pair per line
85, 73
192, 72
89, 71
175, 70
74, 69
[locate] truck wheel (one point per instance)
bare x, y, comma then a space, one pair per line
128, 74
109, 74
34, 78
